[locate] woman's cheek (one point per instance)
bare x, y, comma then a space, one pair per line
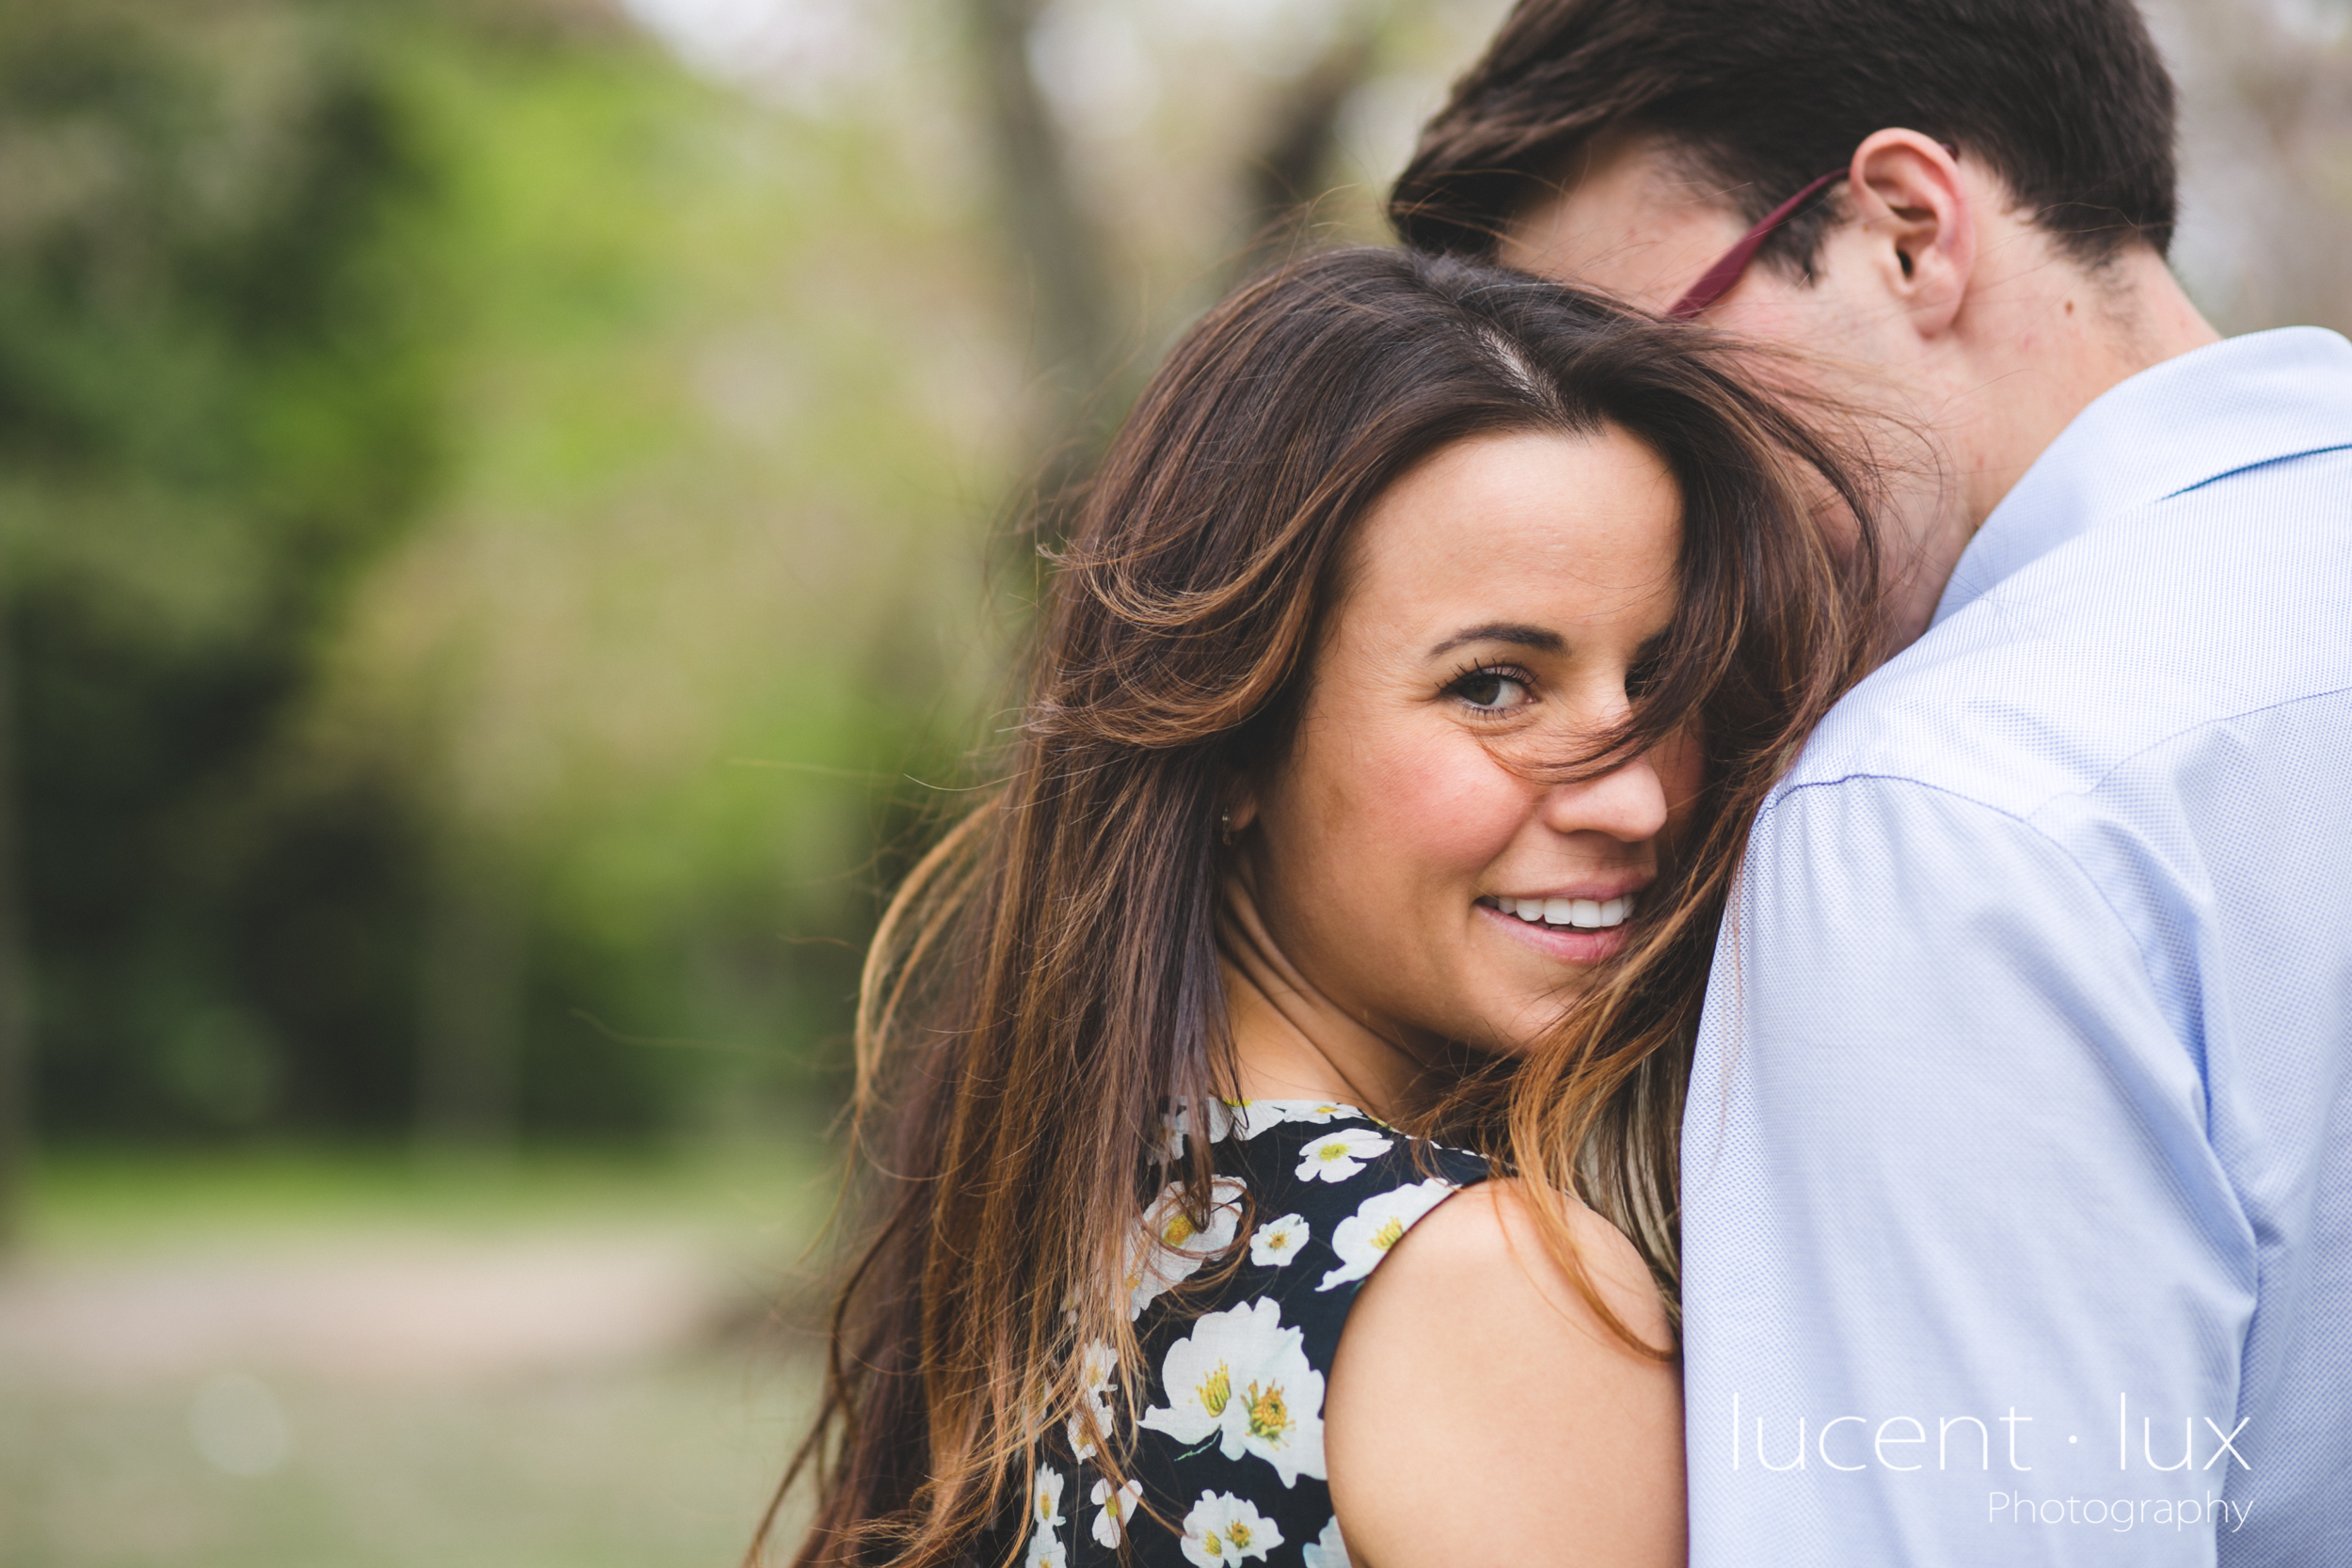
1445, 806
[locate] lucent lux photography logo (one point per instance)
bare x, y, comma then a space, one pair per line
2206, 1453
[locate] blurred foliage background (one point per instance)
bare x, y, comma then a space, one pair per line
497, 510
505, 539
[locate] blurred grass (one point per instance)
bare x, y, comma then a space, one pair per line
769, 1198
663, 1461
662, 1466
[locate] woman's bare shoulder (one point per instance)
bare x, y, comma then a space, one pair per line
1474, 1374
1489, 1234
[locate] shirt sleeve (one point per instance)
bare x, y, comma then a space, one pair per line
1964, 1283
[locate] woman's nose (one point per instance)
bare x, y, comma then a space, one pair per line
1628, 803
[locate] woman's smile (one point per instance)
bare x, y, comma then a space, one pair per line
1579, 925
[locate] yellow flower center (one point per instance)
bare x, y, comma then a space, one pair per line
1331, 1151
1209, 1539
1179, 1229
1277, 1240
1269, 1415
1238, 1535
1388, 1235
1215, 1389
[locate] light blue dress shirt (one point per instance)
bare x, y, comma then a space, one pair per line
2017, 1167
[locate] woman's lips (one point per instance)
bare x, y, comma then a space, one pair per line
1565, 943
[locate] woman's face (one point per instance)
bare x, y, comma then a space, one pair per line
1497, 598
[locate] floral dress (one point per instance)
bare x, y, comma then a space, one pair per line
1228, 1427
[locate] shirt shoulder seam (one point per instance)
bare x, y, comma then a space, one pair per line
1864, 775
2056, 846
2246, 468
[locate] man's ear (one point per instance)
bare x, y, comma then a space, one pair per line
1909, 199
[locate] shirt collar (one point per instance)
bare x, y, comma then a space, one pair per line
2173, 427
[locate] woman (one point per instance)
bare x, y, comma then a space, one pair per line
1425, 643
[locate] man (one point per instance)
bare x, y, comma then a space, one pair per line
2018, 1161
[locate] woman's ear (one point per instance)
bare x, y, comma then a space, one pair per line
1909, 197
1240, 809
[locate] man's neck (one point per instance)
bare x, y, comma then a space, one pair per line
2057, 344
2035, 346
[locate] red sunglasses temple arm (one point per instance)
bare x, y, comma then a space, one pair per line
1717, 280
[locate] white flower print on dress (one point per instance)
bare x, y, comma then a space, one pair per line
1223, 1530
1178, 1121
1337, 1156
1243, 1378
1045, 1498
1115, 1507
1169, 1249
1097, 1366
1364, 1238
1253, 1116
1046, 1547
1277, 1242
1327, 1550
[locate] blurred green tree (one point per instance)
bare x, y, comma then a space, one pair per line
701, 582
487, 514
219, 399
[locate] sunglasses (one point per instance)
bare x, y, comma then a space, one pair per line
1716, 281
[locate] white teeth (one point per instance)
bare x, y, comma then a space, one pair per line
1587, 914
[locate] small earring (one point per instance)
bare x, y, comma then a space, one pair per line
1225, 829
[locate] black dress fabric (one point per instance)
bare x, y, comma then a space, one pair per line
1238, 1323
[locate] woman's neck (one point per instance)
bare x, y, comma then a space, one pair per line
1291, 1041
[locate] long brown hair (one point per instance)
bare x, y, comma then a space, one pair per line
1046, 981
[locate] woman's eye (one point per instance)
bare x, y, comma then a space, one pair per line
1491, 689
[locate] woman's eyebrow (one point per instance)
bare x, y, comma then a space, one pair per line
1525, 637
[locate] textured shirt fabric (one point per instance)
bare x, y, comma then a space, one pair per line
2017, 1167
1238, 1320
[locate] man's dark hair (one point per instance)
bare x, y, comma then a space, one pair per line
2066, 100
